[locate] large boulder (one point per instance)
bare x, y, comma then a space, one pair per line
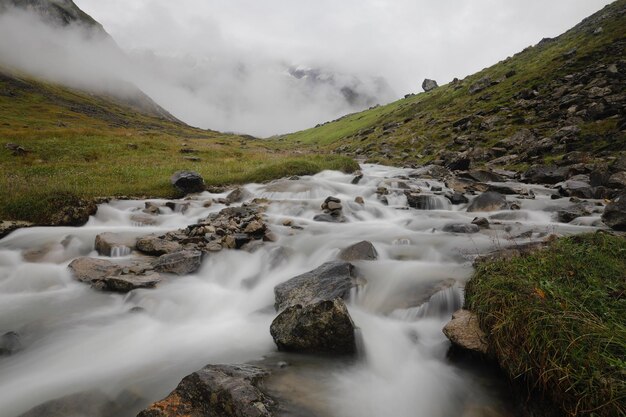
323, 326
465, 333
179, 263
489, 201
615, 213
364, 251
218, 391
429, 85
188, 182
113, 244
327, 282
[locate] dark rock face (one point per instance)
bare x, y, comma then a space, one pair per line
359, 251
327, 282
188, 182
489, 201
217, 390
179, 263
461, 228
615, 213
323, 326
429, 85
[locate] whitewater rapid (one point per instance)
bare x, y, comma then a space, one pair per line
136, 347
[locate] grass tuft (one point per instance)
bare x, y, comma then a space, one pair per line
555, 319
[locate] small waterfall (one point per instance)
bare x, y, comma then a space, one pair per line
440, 305
120, 251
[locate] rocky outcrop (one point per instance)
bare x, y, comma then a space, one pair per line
489, 201
362, 251
188, 182
219, 391
323, 326
231, 228
465, 333
614, 214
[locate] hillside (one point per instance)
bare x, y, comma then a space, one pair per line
562, 95
75, 145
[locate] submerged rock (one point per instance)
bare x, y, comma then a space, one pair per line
10, 343
217, 390
464, 332
327, 282
322, 326
489, 201
461, 228
359, 251
83, 404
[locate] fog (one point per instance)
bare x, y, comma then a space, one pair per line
277, 66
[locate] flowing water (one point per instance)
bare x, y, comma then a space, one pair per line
76, 339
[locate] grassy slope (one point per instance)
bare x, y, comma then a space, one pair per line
79, 143
556, 320
426, 119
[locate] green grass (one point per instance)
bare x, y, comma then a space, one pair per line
426, 119
555, 319
83, 146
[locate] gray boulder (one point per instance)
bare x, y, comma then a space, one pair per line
464, 332
179, 263
489, 201
107, 244
614, 214
188, 182
359, 251
219, 391
429, 85
327, 282
324, 326
546, 174
237, 195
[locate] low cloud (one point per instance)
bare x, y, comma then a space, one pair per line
277, 66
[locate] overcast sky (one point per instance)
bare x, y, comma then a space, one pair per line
402, 41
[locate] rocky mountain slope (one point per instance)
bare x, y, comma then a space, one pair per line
560, 102
65, 15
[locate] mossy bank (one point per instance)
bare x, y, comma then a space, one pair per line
554, 320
